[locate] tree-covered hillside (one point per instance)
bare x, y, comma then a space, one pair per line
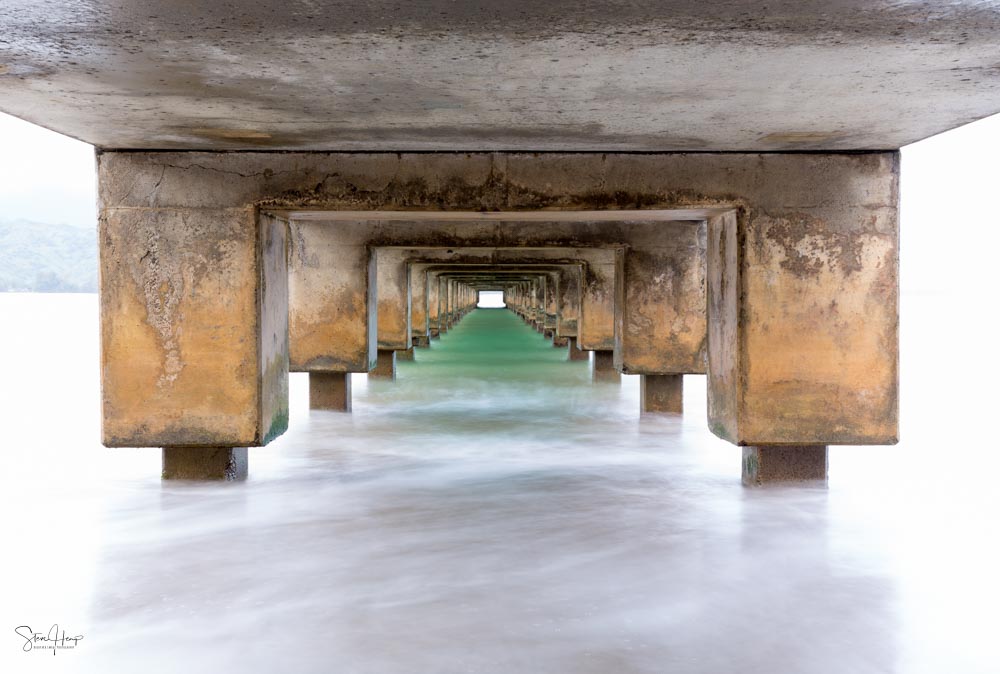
38, 257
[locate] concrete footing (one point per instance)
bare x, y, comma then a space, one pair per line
204, 463
405, 354
422, 341
662, 393
385, 366
801, 463
560, 342
575, 352
604, 367
548, 333
330, 391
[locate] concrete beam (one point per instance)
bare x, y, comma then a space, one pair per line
643, 75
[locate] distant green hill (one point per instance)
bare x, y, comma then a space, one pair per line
37, 257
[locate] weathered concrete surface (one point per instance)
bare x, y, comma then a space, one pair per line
604, 367
662, 393
506, 74
762, 465
205, 463
575, 352
568, 302
433, 298
660, 320
193, 327
419, 323
551, 303
330, 391
394, 300
385, 367
816, 267
804, 312
332, 301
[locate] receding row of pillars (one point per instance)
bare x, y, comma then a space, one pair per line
775, 274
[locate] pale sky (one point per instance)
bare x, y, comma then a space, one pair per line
45, 176
949, 231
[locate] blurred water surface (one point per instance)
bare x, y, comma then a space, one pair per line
493, 511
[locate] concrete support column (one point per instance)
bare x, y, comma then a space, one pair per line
404, 354
560, 342
575, 352
442, 305
604, 367
568, 305
802, 463
550, 315
194, 322
803, 314
419, 333
662, 393
330, 391
385, 366
204, 463
421, 341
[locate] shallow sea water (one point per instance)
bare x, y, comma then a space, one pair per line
492, 510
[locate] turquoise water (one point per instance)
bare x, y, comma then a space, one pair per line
492, 510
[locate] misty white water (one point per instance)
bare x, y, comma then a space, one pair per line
493, 511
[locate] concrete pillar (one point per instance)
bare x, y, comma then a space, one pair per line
332, 316
417, 276
330, 391
394, 299
560, 342
442, 305
662, 393
596, 324
433, 300
194, 311
568, 304
421, 341
803, 315
660, 304
575, 352
551, 308
604, 367
204, 463
404, 354
763, 464
385, 367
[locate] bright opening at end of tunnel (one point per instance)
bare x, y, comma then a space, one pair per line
491, 299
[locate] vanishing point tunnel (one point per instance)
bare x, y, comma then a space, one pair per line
680, 188
747, 289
